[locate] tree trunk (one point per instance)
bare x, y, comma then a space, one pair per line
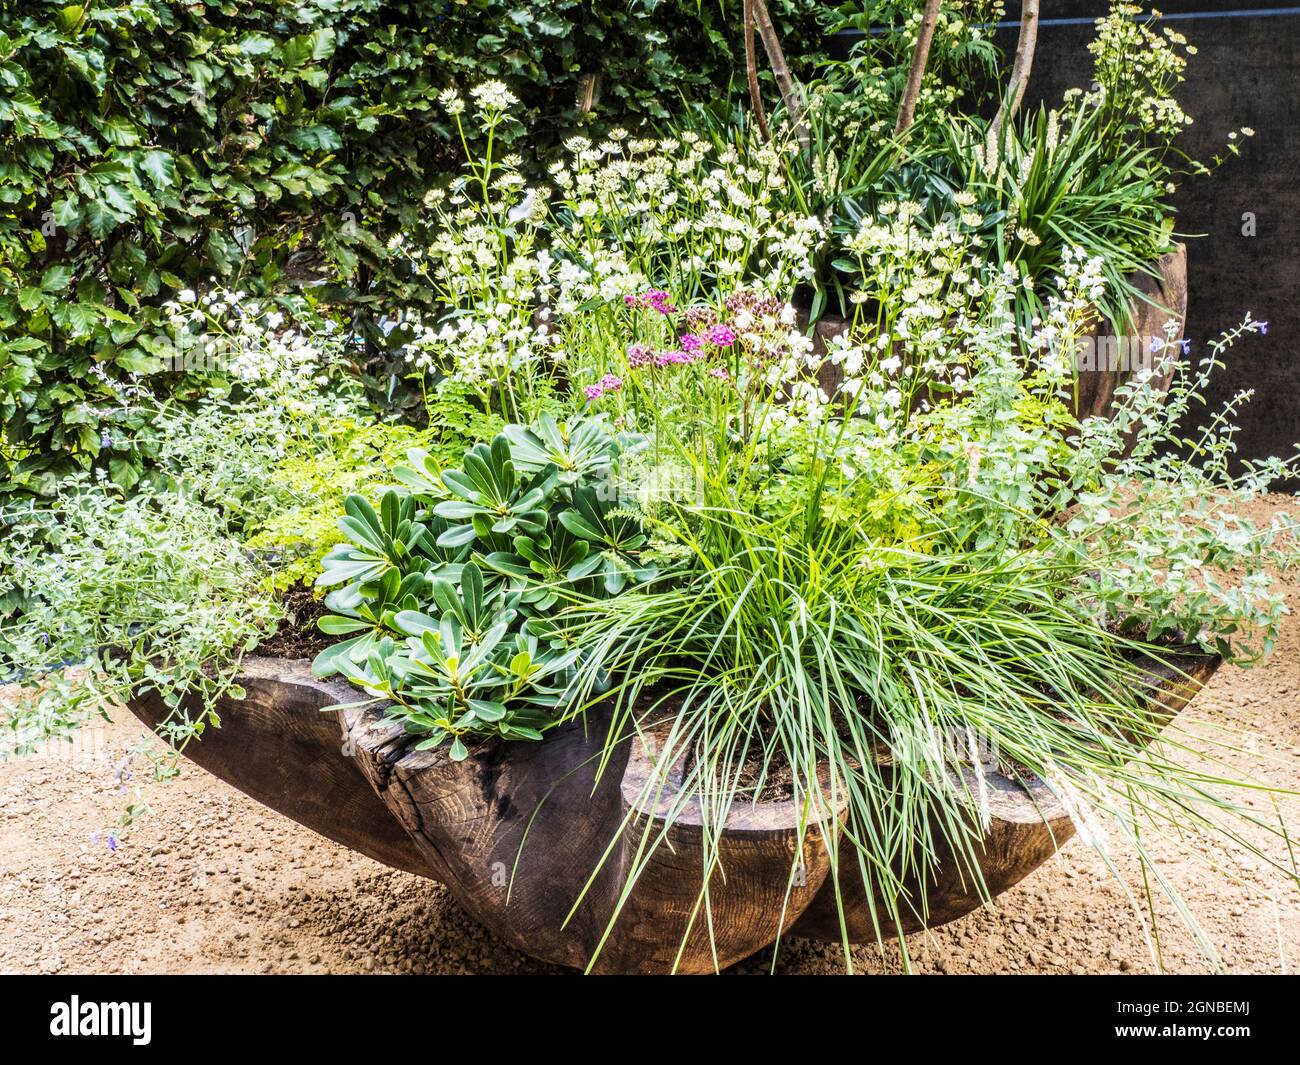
1026, 43
589, 93
920, 57
785, 82
751, 73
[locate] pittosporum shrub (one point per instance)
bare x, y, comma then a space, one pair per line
446, 592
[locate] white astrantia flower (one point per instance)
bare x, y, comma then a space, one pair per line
492, 96
451, 101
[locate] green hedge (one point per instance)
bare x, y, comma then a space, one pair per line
147, 145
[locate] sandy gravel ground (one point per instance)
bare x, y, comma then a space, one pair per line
209, 881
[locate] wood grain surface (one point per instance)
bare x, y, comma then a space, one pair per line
601, 867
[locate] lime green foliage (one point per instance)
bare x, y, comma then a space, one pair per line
356, 459
296, 521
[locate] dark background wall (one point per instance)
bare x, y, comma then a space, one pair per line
1246, 73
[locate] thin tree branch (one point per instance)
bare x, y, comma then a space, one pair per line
789, 88
1026, 43
920, 57
751, 73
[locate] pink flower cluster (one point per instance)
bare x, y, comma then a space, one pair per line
653, 299
639, 355
720, 335
669, 358
705, 336
608, 383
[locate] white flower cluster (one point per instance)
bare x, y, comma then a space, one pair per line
524, 278
922, 275
226, 331
1138, 68
681, 205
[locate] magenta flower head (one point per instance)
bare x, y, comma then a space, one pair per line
720, 372
654, 299
673, 358
610, 383
639, 355
690, 342
593, 392
720, 335
659, 301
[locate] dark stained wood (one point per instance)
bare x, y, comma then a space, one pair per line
1028, 824
539, 843
277, 746
1166, 300
514, 830
757, 888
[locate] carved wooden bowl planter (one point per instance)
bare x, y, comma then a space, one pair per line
517, 830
